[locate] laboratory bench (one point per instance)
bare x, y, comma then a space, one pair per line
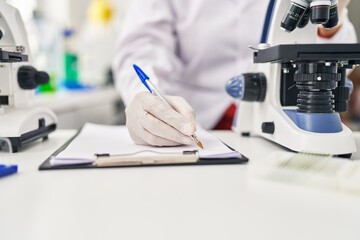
162, 203
76, 107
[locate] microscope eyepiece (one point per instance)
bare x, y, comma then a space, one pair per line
320, 11
294, 14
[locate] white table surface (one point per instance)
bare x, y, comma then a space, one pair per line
202, 202
65, 101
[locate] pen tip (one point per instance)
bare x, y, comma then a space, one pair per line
196, 140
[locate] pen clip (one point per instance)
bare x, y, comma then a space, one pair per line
143, 77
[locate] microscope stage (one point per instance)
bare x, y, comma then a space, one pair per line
309, 52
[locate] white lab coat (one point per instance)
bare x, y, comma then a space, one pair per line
194, 47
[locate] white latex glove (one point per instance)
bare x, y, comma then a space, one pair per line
150, 121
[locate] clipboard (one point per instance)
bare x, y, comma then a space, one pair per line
190, 159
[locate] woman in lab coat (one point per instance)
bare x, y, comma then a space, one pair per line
190, 48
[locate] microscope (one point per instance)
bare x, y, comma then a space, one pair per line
296, 89
19, 122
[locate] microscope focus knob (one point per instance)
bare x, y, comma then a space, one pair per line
247, 87
30, 78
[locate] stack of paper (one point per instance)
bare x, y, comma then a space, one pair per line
114, 140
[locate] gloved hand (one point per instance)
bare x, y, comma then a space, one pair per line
150, 121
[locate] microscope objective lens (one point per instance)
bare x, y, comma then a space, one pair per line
333, 15
320, 11
294, 14
305, 19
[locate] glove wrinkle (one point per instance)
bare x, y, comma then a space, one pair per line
150, 121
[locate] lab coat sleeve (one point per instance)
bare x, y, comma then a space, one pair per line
147, 39
346, 34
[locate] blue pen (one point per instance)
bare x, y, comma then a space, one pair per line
154, 90
7, 170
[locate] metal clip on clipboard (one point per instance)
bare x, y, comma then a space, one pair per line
147, 157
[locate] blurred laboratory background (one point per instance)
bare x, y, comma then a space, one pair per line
75, 41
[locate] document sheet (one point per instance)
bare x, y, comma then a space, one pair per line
115, 140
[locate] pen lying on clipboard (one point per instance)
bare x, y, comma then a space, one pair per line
154, 158
147, 157
154, 90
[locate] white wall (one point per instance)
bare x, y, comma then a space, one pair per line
72, 13
354, 15
25, 7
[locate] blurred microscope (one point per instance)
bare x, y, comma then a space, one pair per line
20, 123
297, 89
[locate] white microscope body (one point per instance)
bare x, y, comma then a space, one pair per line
268, 118
18, 120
